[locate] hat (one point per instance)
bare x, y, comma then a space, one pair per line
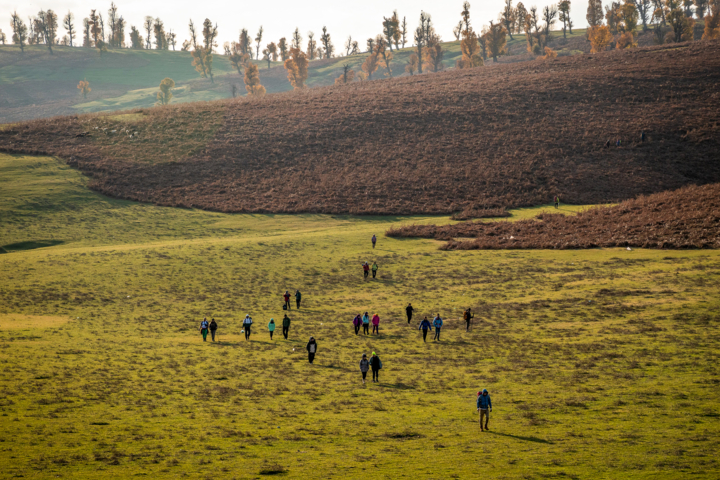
484, 390
272, 319
364, 355
373, 353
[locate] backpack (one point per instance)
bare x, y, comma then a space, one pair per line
284, 306
379, 364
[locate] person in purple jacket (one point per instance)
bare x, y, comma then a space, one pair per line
357, 322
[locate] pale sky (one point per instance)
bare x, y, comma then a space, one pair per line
361, 19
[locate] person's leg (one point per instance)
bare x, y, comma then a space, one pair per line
482, 413
311, 357
425, 336
204, 334
271, 333
487, 418
297, 304
374, 272
212, 332
364, 374
438, 333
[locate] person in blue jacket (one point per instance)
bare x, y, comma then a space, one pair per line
425, 326
437, 323
484, 406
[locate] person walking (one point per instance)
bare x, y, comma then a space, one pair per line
213, 328
374, 268
312, 349
437, 323
357, 321
298, 297
409, 311
366, 323
425, 326
204, 328
557, 201
366, 269
247, 323
286, 326
376, 324
375, 365
643, 137
286, 296
484, 406
373, 240
364, 367
467, 316
271, 327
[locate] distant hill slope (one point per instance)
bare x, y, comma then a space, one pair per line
38, 85
508, 136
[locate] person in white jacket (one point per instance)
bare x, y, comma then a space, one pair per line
247, 323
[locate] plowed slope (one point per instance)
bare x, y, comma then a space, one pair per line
509, 136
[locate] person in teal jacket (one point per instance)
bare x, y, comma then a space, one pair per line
366, 323
437, 323
484, 406
271, 327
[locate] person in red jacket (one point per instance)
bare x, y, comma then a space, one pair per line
287, 299
376, 324
366, 269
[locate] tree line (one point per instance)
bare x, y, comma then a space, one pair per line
618, 22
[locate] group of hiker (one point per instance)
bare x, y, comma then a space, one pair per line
246, 327
366, 269
286, 298
364, 321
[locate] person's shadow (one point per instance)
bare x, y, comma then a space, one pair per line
519, 437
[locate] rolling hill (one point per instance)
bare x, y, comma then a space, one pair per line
37, 85
512, 135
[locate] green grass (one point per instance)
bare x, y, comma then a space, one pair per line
600, 363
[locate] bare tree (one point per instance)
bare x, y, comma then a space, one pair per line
258, 39
348, 45
148, 32
19, 31
327, 43
296, 39
69, 24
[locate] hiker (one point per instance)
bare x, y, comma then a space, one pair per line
484, 406
643, 137
271, 327
366, 323
607, 144
425, 326
247, 323
366, 269
374, 240
376, 323
287, 300
557, 201
375, 365
364, 366
467, 316
409, 311
357, 321
213, 327
204, 328
298, 297
286, 326
617, 143
437, 323
311, 348
375, 269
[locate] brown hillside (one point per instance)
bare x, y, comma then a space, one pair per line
684, 218
507, 136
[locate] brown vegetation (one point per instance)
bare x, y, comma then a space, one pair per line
684, 218
512, 135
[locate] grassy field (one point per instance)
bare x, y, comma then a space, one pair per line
600, 363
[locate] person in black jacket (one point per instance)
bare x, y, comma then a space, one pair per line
375, 366
312, 349
298, 297
409, 311
213, 327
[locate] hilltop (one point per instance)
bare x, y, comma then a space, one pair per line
512, 135
39, 85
